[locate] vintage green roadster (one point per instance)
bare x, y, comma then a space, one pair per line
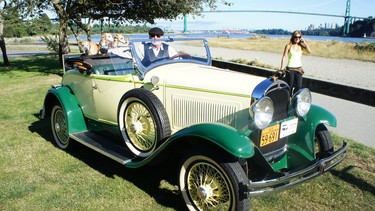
234, 135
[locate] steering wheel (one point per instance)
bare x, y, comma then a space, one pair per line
182, 55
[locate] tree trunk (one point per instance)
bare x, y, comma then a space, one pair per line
63, 38
2, 42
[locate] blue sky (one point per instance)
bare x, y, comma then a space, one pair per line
359, 8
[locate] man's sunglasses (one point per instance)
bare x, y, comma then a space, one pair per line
156, 35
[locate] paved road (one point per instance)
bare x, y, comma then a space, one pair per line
355, 121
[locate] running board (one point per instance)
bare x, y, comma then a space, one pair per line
103, 146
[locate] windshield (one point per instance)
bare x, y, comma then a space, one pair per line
150, 53
141, 56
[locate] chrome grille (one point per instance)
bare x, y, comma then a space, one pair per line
280, 98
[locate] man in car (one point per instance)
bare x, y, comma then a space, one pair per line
155, 50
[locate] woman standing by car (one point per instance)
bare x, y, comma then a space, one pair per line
293, 51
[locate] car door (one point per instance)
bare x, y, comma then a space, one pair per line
82, 87
107, 94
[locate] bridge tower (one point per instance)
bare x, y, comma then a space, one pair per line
185, 24
347, 18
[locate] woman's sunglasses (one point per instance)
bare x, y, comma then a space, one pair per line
297, 37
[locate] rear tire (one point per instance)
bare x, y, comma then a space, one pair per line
59, 126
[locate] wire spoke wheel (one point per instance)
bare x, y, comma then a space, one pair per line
140, 126
208, 187
143, 121
207, 183
59, 127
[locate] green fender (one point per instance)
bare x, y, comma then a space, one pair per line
73, 112
303, 140
226, 137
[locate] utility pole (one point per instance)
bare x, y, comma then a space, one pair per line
347, 18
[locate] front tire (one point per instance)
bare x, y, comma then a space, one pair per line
209, 184
323, 141
59, 128
143, 121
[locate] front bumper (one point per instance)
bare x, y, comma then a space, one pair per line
257, 188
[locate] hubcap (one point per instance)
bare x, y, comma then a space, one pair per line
57, 127
204, 192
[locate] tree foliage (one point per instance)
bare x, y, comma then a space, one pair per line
361, 27
71, 12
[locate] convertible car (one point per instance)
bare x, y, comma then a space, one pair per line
233, 135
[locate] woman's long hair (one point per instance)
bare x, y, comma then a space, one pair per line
292, 41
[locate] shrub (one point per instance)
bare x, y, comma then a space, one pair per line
365, 46
52, 43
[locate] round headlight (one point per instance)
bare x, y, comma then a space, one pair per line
303, 104
262, 112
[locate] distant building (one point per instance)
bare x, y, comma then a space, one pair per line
311, 27
332, 25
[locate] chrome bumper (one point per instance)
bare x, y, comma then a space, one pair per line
257, 188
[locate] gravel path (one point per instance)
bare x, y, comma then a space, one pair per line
344, 71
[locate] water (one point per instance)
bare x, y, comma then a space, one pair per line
96, 38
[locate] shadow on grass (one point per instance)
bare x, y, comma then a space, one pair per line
345, 175
147, 178
43, 64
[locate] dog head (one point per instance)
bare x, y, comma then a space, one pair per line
107, 37
118, 38
89, 47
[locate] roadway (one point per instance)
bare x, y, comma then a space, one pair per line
354, 120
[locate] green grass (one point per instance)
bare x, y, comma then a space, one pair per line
35, 175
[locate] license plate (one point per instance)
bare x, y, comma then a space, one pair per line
288, 127
269, 135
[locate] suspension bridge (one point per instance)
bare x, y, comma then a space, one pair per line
348, 19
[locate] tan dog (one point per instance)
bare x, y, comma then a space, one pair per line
119, 39
106, 40
90, 47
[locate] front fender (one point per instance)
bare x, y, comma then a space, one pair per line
68, 101
228, 138
303, 140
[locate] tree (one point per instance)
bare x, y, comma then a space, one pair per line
127, 11
2, 40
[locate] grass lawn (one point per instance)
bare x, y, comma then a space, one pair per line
35, 175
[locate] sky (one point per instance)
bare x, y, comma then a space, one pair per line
291, 22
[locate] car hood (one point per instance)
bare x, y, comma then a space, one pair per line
195, 76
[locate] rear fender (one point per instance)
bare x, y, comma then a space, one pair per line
65, 97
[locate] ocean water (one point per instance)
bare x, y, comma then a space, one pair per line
96, 38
